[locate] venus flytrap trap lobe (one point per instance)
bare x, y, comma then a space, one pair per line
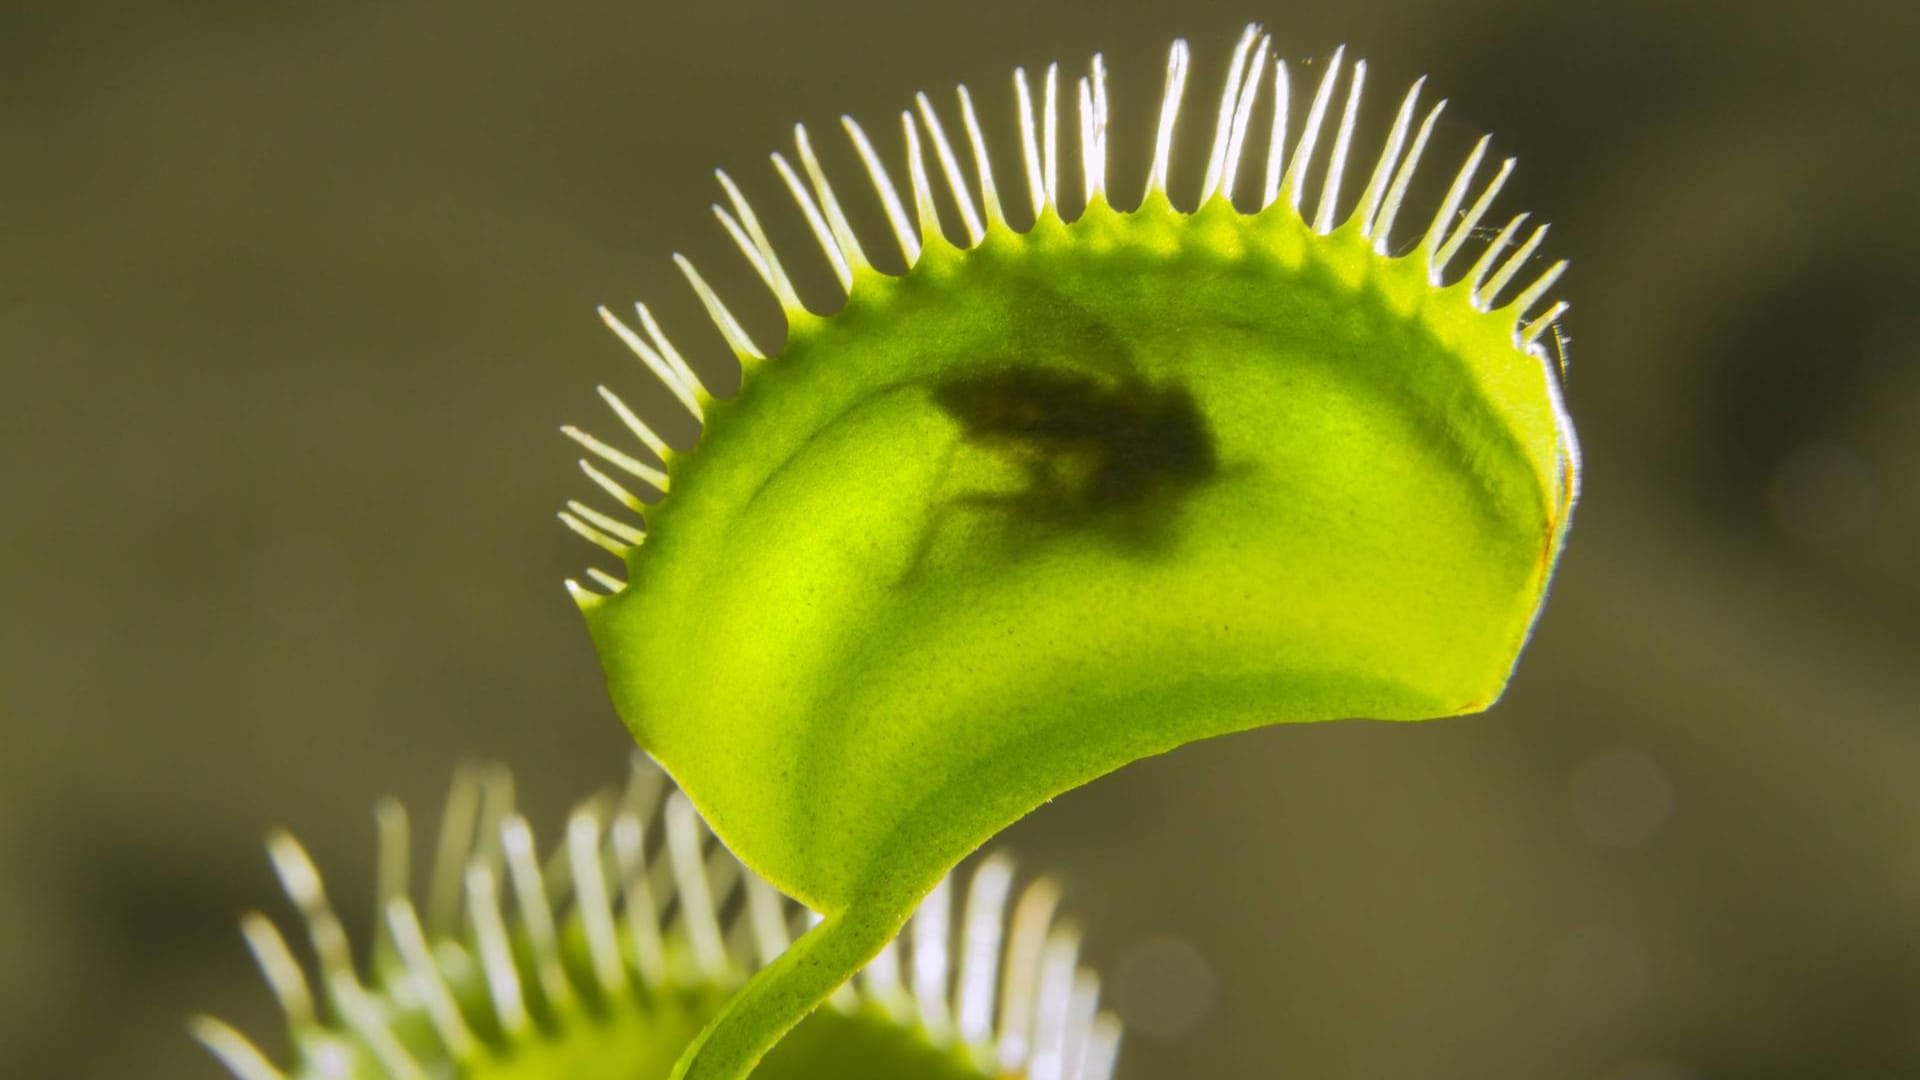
602, 961
1052, 501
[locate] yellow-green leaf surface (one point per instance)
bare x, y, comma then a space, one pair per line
1071, 496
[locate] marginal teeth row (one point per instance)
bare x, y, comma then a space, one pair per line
1285, 183
650, 901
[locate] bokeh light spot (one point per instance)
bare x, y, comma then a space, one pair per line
1163, 988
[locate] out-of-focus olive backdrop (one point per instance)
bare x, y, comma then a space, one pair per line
294, 296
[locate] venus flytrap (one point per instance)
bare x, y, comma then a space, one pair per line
1054, 500
1050, 501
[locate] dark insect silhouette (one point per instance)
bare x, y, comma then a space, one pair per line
1112, 454
1086, 442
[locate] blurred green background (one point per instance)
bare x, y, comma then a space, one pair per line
294, 297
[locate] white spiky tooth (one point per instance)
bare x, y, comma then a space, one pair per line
1342, 141
642, 917
1277, 140
1095, 157
1169, 117
755, 245
982, 162
782, 291
1020, 985
723, 318
620, 492
496, 950
930, 930
1471, 221
882, 984
297, 874
594, 536
1089, 141
1498, 282
816, 221
496, 802
1532, 293
837, 222
768, 920
925, 214
536, 911
950, 168
655, 362
740, 940
697, 907
1050, 137
1383, 169
1030, 144
596, 910
620, 459
1247, 95
302, 884
607, 581
243, 1059
282, 971
724, 876
365, 1019
1397, 194
1293, 183
1059, 961
429, 984
1476, 277
981, 941
641, 429
1531, 333
1103, 1048
607, 523
457, 819
1223, 122
897, 219
390, 871
1082, 1007
662, 344
1450, 205
556, 873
